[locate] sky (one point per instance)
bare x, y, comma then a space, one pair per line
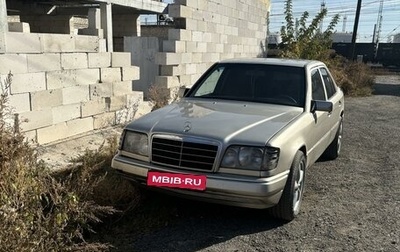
390, 24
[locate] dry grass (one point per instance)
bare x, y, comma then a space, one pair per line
355, 79
160, 97
43, 211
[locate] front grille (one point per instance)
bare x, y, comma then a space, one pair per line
183, 154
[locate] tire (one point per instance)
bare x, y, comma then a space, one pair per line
289, 204
333, 150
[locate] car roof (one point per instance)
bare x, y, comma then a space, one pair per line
273, 61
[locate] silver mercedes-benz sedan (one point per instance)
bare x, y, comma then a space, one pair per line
243, 135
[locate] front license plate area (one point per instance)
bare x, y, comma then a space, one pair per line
176, 180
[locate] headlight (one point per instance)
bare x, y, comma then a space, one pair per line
251, 158
136, 143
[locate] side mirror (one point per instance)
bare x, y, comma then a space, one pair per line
325, 106
183, 91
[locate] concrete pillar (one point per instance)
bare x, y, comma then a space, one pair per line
94, 18
106, 24
3, 25
126, 25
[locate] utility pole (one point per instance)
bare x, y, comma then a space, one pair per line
322, 21
344, 23
353, 39
378, 23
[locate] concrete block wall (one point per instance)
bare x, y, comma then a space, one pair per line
61, 88
209, 31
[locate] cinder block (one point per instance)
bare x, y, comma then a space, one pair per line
92, 32
191, 24
52, 133
31, 137
87, 43
191, 46
43, 62
104, 120
79, 126
116, 103
197, 57
225, 18
120, 59
122, 88
230, 55
36, 119
30, 82
19, 27
61, 79
46, 99
179, 34
202, 47
129, 112
211, 47
14, 63
202, 26
74, 60
19, 102
130, 73
110, 74
174, 46
211, 57
171, 70
93, 107
219, 48
17, 42
99, 60
75, 94
206, 37
185, 80
100, 90
186, 58
197, 36
102, 45
66, 112
167, 81
177, 10
87, 76
57, 43
190, 68
189, 3
163, 58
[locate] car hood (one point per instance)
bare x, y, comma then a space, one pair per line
233, 122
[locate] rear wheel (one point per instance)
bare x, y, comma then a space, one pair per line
289, 204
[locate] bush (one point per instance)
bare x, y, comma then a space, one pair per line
160, 97
41, 211
306, 41
355, 79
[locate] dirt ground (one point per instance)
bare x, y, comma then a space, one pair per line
350, 204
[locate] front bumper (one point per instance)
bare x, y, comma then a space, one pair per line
225, 189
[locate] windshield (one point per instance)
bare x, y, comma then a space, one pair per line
253, 82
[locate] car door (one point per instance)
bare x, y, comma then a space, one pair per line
319, 135
333, 95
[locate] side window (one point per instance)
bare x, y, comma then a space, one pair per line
329, 86
318, 92
209, 84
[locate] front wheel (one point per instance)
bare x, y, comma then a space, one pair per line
289, 204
